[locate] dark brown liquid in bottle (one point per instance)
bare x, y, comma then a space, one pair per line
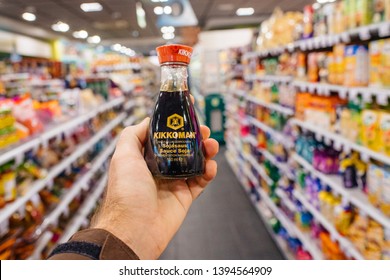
174, 147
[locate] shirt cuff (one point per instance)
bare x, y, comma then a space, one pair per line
112, 248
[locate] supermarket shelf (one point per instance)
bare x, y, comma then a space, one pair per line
19, 150
382, 95
52, 218
260, 169
55, 171
272, 106
355, 196
130, 104
344, 243
238, 92
130, 121
364, 33
278, 136
269, 78
287, 201
84, 211
280, 243
40, 245
283, 167
340, 141
292, 229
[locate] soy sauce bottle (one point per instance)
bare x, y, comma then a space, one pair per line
174, 147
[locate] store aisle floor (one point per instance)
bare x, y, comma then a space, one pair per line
222, 224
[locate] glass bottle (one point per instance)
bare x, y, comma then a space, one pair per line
174, 147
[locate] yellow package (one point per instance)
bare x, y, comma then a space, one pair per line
384, 69
375, 176
339, 67
375, 51
384, 132
370, 129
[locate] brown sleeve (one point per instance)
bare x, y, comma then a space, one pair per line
111, 247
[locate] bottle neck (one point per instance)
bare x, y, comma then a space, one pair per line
174, 77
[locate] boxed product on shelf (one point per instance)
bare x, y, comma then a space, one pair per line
280, 29
356, 65
380, 63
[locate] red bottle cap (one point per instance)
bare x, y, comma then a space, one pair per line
174, 53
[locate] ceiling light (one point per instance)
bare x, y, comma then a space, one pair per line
29, 16
123, 49
116, 47
81, 34
91, 7
168, 36
60, 26
167, 10
141, 20
325, 1
158, 10
135, 33
245, 11
167, 29
129, 52
157, 1
94, 39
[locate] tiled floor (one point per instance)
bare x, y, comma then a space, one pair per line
222, 224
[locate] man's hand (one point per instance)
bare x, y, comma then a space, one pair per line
143, 212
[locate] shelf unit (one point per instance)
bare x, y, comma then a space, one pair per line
276, 135
272, 106
292, 229
364, 33
345, 244
81, 215
6, 212
82, 183
354, 196
261, 210
341, 142
18, 150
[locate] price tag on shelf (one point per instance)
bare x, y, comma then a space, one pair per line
382, 98
19, 159
318, 137
49, 184
367, 96
346, 148
365, 157
22, 210
353, 94
290, 47
384, 29
345, 37
343, 93
327, 141
364, 33
324, 41
85, 186
303, 45
4, 227
317, 42
337, 145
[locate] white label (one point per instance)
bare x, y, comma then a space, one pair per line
185, 53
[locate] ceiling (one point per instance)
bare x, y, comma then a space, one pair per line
117, 21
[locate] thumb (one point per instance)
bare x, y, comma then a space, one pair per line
132, 139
